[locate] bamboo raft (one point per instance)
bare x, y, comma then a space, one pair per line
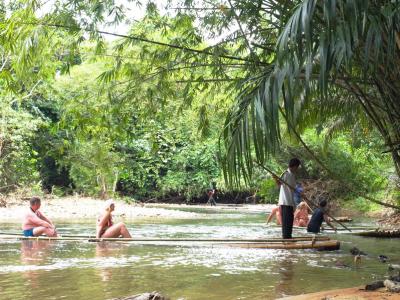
380, 233
303, 242
353, 228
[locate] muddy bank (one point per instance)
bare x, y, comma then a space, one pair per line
356, 293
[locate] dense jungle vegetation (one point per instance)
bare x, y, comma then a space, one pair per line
197, 92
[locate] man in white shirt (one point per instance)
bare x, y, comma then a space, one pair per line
286, 199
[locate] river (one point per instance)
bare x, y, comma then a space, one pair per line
84, 270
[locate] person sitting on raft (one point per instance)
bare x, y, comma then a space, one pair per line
318, 217
105, 226
35, 223
301, 215
275, 212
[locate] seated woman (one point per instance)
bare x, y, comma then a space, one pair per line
105, 226
301, 215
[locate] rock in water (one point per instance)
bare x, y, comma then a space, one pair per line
383, 258
392, 286
374, 285
356, 251
144, 296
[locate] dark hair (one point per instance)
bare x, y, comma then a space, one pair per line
34, 200
323, 203
294, 162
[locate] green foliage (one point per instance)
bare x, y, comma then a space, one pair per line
269, 192
143, 115
17, 157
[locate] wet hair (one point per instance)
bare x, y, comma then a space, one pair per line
34, 201
294, 162
323, 203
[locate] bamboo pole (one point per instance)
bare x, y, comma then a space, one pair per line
216, 240
308, 201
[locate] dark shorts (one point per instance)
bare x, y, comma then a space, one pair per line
28, 232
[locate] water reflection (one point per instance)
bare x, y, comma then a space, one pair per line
34, 253
286, 272
106, 250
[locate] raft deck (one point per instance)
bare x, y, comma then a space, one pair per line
302, 242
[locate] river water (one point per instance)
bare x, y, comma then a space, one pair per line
84, 270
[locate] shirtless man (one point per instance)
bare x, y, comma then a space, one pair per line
35, 223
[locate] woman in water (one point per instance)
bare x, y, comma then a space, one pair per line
105, 226
301, 215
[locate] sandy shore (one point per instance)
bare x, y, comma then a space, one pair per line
356, 293
89, 208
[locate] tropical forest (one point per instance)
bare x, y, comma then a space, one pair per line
199, 149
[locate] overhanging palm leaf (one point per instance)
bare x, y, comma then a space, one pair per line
326, 46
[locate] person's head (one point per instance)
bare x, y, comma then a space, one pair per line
323, 203
302, 205
35, 202
294, 164
109, 205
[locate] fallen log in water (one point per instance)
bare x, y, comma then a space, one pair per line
380, 233
344, 219
144, 296
320, 245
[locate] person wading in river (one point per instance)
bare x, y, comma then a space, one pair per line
275, 212
286, 199
301, 215
105, 226
319, 215
35, 223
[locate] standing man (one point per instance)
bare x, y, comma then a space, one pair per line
286, 197
35, 223
212, 194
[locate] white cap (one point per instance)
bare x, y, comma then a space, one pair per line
108, 203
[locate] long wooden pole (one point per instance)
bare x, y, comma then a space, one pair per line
212, 240
308, 201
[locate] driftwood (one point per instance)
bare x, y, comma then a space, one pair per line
344, 219
144, 296
380, 233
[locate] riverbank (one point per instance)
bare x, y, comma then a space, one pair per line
88, 208
356, 293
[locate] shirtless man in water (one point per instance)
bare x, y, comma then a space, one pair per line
35, 223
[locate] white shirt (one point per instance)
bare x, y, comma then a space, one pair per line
286, 193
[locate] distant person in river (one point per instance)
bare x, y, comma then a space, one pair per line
301, 215
287, 183
275, 212
318, 217
105, 226
297, 193
35, 223
212, 194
